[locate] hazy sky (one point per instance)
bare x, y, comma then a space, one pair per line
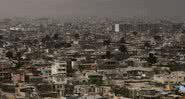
39, 8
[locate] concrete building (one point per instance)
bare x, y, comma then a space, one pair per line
58, 75
174, 77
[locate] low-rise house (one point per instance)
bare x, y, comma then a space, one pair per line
108, 67
87, 66
173, 77
5, 76
83, 90
5, 72
139, 72
143, 90
46, 90
18, 77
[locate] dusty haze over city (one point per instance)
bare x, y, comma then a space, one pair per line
126, 8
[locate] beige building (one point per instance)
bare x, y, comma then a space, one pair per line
173, 77
58, 76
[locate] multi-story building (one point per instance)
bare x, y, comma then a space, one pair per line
58, 75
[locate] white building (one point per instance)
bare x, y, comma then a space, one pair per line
58, 76
59, 67
117, 28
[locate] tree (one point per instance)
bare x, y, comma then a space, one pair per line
95, 79
123, 49
151, 59
35, 41
124, 52
16, 58
47, 38
77, 36
67, 45
147, 45
183, 31
106, 42
9, 54
55, 37
122, 40
1, 37
81, 68
157, 37
135, 33
123, 91
108, 54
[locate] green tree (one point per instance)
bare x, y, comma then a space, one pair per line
120, 91
16, 58
77, 36
123, 49
55, 37
122, 40
106, 42
151, 59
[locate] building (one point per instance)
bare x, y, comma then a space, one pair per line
173, 77
58, 75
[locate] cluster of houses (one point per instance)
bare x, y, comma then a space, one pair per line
84, 61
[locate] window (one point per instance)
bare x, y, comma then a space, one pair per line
62, 65
58, 79
62, 79
22, 90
